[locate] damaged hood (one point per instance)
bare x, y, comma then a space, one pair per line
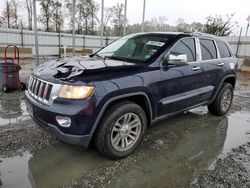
84, 69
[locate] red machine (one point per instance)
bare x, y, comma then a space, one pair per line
11, 70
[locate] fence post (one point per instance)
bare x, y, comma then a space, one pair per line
22, 34
107, 41
83, 43
238, 45
59, 45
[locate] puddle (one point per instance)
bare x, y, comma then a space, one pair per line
14, 172
191, 142
50, 168
13, 109
238, 131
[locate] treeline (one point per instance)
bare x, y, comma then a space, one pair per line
56, 16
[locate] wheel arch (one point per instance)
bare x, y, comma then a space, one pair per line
227, 79
139, 98
231, 80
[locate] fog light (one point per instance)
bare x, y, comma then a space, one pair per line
63, 121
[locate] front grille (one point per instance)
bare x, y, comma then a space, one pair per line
40, 90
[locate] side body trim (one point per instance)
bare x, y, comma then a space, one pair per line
186, 95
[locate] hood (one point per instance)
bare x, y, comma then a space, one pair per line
84, 69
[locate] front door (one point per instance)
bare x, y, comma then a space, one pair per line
181, 86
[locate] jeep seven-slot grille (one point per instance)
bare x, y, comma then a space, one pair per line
39, 89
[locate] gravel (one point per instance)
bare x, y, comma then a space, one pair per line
26, 137
231, 171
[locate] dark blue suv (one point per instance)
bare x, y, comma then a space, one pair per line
112, 96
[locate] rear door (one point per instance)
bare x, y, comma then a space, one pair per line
180, 86
211, 64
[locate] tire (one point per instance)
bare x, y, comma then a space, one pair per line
112, 128
217, 107
5, 89
22, 86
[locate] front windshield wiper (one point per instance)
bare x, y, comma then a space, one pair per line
108, 57
97, 55
116, 58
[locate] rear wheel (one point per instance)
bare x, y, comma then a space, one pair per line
121, 130
223, 101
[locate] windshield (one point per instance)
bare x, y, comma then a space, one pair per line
134, 48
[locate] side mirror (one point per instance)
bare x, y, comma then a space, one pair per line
178, 59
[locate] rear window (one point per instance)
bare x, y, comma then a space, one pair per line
223, 49
208, 49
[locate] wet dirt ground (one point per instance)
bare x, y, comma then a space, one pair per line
193, 149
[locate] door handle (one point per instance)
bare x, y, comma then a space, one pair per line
195, 68
220, 64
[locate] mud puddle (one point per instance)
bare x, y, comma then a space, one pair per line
50, 168
169, 156
12, 109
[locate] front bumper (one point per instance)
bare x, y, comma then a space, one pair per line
67, 138
79, 131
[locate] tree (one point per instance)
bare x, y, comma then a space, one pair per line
108, 14
15, 16
218, 25
118, 19
47, 10
1, 21
10, 17
28, 5
7, 15
57, 17
87, 10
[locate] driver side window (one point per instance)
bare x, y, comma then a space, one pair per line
185, 46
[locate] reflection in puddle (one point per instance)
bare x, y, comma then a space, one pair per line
238, 130
14, 172
12, 109
192, 142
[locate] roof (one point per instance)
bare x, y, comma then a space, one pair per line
178, 33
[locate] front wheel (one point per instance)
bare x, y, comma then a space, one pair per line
121, 130
223, 101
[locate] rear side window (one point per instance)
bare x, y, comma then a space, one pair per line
208, 49
223, 49
185, 46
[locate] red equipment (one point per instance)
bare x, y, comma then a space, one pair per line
11, 68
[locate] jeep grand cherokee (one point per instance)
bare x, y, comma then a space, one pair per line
112, 96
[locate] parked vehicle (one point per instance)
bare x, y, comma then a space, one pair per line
112, 96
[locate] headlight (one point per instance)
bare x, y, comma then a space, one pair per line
75, 92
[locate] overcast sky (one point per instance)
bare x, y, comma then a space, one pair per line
190, 10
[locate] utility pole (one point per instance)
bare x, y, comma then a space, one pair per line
143, 16
124, 19
73, 29
102, 11
35, 33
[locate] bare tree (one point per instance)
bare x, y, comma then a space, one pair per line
218, 25
1, 21
47, 10
57, 17
118, 19
87, 12
108, 14
29, 9
9, 15
15, 15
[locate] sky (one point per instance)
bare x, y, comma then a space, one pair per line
189, 10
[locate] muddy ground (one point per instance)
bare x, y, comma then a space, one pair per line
193, 149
